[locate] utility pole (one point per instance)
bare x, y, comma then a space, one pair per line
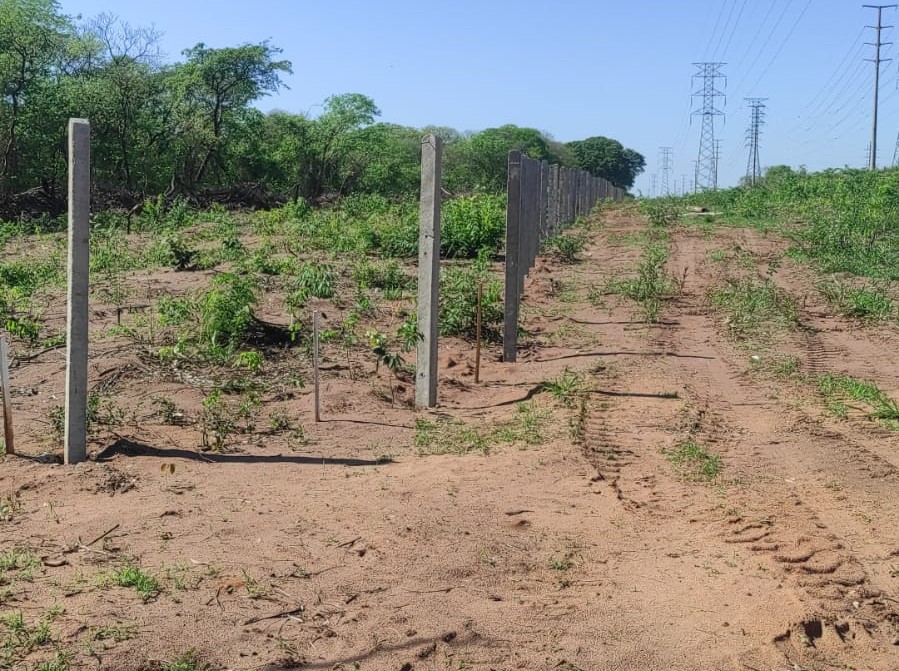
872, 158
666, 160
756, 121
707, 74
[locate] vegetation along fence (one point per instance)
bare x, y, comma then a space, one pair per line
542, 198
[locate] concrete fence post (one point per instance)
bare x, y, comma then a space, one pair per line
544, 198
513, 231
78, 279
428, 272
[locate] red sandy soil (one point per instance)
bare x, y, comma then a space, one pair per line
591, 554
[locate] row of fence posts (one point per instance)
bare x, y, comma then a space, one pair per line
542, 197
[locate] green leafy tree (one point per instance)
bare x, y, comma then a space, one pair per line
33, 37
215, 87
480, 162
609, 159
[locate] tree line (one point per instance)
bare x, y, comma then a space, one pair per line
179, 128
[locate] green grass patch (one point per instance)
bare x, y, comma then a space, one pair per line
838, 390
651, 285
527, 427
146, 585
866, 303
445, 436
694, 461
754, 311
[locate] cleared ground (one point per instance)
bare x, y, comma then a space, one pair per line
700, 492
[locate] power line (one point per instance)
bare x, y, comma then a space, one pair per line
838, 74
724, 30
715, 29
783, 44
764, 45
758, 31
734, 29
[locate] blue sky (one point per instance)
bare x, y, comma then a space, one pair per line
573, 68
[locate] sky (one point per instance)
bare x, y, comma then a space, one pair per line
573, 68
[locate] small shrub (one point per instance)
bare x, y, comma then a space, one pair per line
565, 247
459, 301
694, 461
132, 576
470, 225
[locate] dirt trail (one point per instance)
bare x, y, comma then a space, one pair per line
590, 554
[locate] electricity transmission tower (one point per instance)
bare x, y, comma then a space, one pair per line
707, 76
654, 180
896, 152
666, 156
877, 60
757, 120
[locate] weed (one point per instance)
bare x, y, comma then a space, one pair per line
565, 248
526, 427
144, 584
836, 389
117, 632
661, 212
754, 310
867, 303
279, 420
560, 564
387, 276
188, 661
9, 507
167, 410
779, 367
694, 461
472, 225
652, 283
220, 419
459, 301
567, 388
448, 437
19, 561
255, 589
250, 360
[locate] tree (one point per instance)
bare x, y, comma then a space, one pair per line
481, 161
33, 36
608, 158
215, 86
330, 140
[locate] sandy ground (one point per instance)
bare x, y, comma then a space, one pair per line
354, 551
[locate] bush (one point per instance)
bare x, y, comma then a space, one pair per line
459, 301
470, 225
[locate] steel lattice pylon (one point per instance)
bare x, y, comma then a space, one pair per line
706, 90
757, 120
665, 165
